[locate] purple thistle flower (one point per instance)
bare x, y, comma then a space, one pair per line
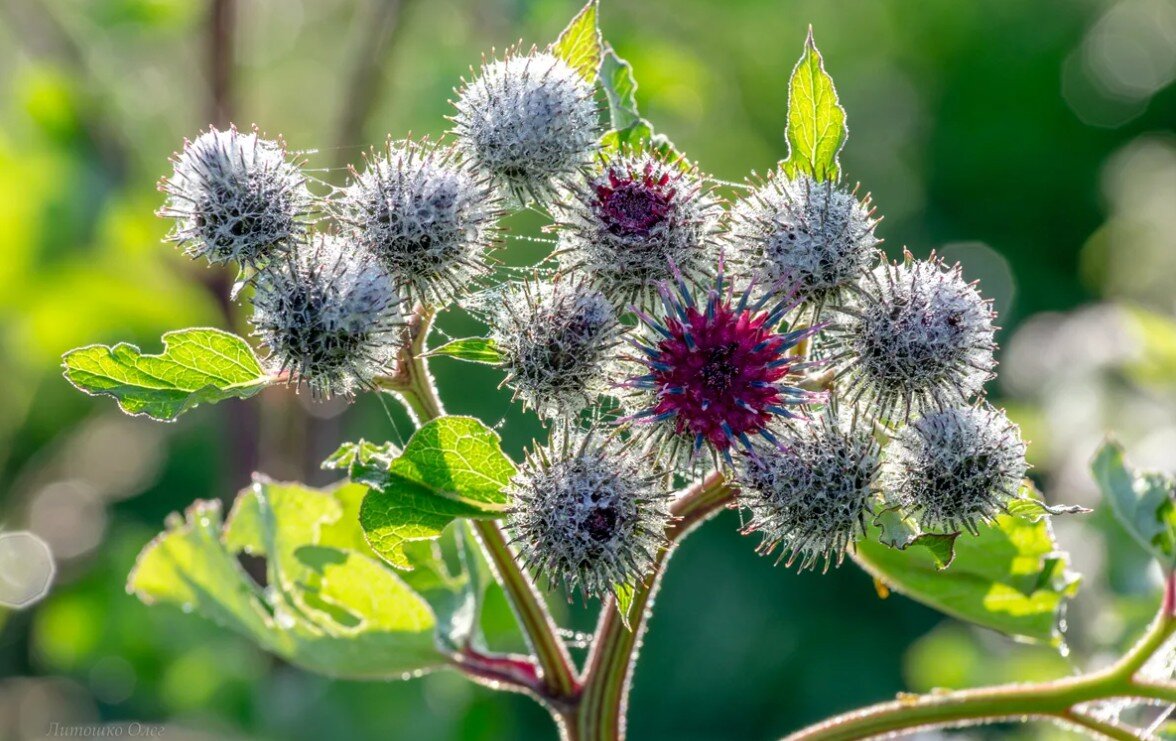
718, 372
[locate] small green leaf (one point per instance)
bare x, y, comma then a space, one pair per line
472, 349
620, 87
331, 609
363, 461
579, 44
1144, 502
899, 532
1011, 577
624, 594
196, 366
452, 467
816, 129
630, 132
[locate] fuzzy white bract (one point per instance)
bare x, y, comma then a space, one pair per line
557, 342
810, 495
812, 236
329, 315
527, 121
956, 468
588, 513
236, 198
634, 220
428, 219
915, 337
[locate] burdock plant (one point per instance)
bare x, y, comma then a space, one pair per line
690, 346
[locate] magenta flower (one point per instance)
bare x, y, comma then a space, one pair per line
632, 204
720, 373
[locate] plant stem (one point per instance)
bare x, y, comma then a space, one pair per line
609, 670
558, 672
413, 384
1054, 701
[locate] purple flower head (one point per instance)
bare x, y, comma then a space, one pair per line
718, 372
631, 203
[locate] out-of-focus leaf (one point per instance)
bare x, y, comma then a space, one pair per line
452, 467
1142, 501
816, 121
329, 609
1011, 577
362, 460
1154, 363
196, 366
579, 44
473, 349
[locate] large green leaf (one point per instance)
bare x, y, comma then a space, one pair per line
329, 608
1144, 502
452, 467
816, 121
579, 44
196, 366
1011, 577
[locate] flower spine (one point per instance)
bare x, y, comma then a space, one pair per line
811, 495
557, 342
814, 235
632, 219
956, 468
715, 372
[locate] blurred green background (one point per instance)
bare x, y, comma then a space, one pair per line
1031, 141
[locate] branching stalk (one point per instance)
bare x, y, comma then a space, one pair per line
413, 384
1058, 701
609, 669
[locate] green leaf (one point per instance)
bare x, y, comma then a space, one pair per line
196, 366
363, 461
620, 88
816, 129
1011, 577
624, 595
896, 531
472, 349
331, 609
630, 132
452, 467
1142, 501
579, 44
